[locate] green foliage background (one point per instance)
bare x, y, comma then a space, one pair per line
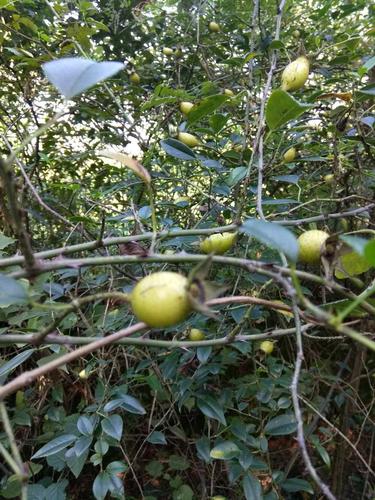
144, 421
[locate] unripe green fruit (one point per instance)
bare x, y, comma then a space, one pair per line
161, 299
218, 243
290, 155
295, 74
186, 107
167, 51
195, 334
329, 179
310, 244
229, 92
135, 78
267, 346
214, 27
188, 139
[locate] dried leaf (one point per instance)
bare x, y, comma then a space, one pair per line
344, 96
128, 162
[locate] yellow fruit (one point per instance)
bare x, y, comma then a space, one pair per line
329, 179
161, 299
229, 92
182, 199
218, 497
83, 374
267, 346
214, 27
296, 33
310, 244
218, 243
295, 74
178, 52
188, 139
167, 51
185, 107
290, 155
135, 78
196, 334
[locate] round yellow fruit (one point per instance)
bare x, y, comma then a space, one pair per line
310, 244
218, 243
214, 27
290, 155
186, 107
83, 374
196, 334
267, 346
135, 78
229, 92
218, 497
295, 74
296, 33
188, 139
329, 179
161, 299
167, 51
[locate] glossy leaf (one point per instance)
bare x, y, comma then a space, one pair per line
251, 487
281, 108
55, 446
272, 235
281, 425
206, 107
113, 426
178, 149
11, 292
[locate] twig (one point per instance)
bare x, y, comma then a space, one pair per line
28, 377
297, 410
16, 214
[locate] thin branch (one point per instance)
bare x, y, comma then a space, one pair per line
16, 214
297, 410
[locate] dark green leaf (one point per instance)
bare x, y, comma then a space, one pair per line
11, 292
207, 106
294, 484
55, 446
251, 487
113, 426
178, 149
281, 425
157, 438
211, 408
272, 235
10, 365
101, 485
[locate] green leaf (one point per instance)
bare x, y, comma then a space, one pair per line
73, 75
177, 149
184, 492
55, 446
126, 402
85, 426
11, 292
154, 468
251, 487
281, 426
211, 408
177, 462
76, 462
281, 108
370, 252
225, 451
272, 235
236, 175
5, 241
113, 426
10, 365
82, 444
206, 107
157, 438
35, 492
294, 484
116, 467
203, 448
101, 485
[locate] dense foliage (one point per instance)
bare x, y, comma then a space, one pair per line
100, 187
